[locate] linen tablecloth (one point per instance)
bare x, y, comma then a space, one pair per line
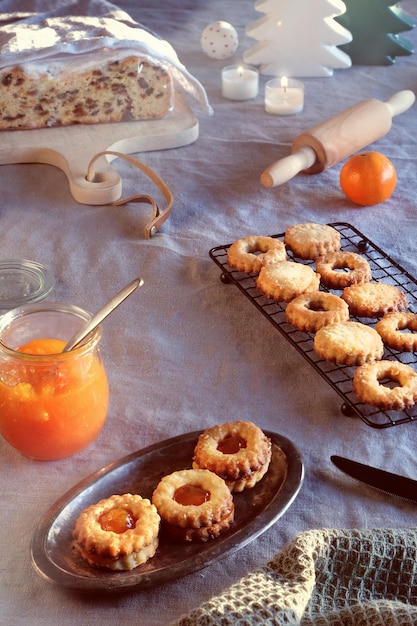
187, 351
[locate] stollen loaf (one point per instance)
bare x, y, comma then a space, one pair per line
64, 70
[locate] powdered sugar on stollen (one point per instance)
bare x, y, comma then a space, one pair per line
70, 38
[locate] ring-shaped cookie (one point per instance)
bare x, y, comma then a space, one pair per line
358, 269
311, 311
118, 551
391, 328
368, 385
286, 280
217, 508
244, 463
248, 254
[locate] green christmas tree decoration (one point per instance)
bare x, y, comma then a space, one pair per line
375, 26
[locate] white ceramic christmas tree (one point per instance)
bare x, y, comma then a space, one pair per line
298, 38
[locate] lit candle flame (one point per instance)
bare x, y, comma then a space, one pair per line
284, 83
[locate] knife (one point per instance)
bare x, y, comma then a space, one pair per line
378, 478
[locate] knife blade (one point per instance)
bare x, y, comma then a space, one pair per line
378, 478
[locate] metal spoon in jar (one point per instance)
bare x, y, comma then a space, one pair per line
102, 313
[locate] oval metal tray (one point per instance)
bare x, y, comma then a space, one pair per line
52, 550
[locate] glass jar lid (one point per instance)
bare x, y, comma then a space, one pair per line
23, 281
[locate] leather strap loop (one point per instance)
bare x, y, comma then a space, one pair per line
159, 216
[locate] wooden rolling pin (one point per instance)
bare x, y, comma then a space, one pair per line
333, 140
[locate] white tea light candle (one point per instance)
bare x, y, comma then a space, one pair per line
284, 96
240, 82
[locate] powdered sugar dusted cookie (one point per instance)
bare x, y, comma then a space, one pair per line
374, 299
287, 280
310, 240
348, 343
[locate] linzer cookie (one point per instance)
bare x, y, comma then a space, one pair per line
194, 504
399, 331
356, 269
374, 299
369, 388
348, 343
310, 240
286, 280
250, 253
119, 533
238, 451
311, 311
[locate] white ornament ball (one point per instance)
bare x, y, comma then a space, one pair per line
219, 40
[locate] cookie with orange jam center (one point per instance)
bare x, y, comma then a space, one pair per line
195, 505
239, 452
120, 532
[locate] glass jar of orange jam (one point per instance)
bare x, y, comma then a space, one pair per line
52, 403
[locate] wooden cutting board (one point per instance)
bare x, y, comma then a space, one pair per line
71, 148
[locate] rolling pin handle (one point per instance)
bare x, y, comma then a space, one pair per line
288, 167
400, 102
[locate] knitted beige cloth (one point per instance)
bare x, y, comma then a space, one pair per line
325, 578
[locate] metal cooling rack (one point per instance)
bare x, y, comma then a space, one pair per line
384, 269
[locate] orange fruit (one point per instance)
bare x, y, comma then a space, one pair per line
368, 178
